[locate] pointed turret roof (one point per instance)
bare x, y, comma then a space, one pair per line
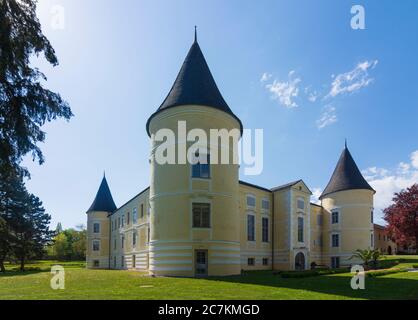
194, 85
104, 200
346, 176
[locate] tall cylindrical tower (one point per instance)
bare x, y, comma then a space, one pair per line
348, 206
194, 207
98, 229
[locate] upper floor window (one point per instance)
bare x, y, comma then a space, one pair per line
265, 229
300, 229
250, 201
142, 210
201, 169
96, 227
371, 240
96, 245
371, 216
128, 218
123, 242
265, 204
148, 235
201, 215
123, 221
320, 241
134, 238
250, 227
335, 240
301, 204
335, 217
134, 216
118, 222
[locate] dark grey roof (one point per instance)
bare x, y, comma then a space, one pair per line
346, 176
287, 185
194, 85
104, 200
253, 186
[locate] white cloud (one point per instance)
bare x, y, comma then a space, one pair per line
353, 80
265, 77
316, 193
327, 118
414, 159
285, 92
312, 94
386, 182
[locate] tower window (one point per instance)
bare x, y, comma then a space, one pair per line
201, 169
335, 262
300, 229
201, 215
371, 217
96, 227
335, 240
96, 263
301, 204
265, 261
96, 245
250, 227
335, 217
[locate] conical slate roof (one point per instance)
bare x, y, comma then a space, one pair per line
104, 200
194, 85
346, 176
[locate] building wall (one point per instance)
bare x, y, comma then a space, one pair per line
102, 256
258, 249
173, 191
355, 226
382, 241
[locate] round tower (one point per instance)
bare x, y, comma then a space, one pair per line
348, 204
194, 206
98, 229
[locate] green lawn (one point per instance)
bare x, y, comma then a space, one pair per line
109, 284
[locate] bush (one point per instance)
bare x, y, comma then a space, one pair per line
415, 266
312, 273
379, 273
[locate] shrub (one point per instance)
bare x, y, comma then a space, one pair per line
379, 273
312, 273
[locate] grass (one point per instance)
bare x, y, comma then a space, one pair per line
84, 284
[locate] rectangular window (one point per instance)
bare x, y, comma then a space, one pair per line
142, 210
265, 261
96, 227
128, 215
335, 240
250, 201
201, 215
201, 169
250, 227
251, 261
133, 261
123, 242
371, 240
265, 204
301, 204
300, 229
96, 245
96, 263
118, 222
319, 219
335, 217
123, 220
320, 242
114, 244
134, 216
335, 262
114, 261
371, 217
122, 261
134, 238
149, 235
265, 229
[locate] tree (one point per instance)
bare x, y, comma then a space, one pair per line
365, 255
58, 229
25, 105
70, 245
402, 217
5, 242
31, 228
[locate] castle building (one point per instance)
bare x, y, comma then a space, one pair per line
200, 219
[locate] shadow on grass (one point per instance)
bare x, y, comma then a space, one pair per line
383, 288
15, 273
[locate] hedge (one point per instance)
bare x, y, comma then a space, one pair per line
383, 272
312, 273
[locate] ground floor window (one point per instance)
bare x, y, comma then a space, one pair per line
251, 261
123, 261
133, 261
335, 262
265, 261
114, 261
96, 263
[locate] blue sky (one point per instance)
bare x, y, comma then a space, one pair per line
118, 60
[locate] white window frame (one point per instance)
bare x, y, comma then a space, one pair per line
134, 215
99, 224
268, 229
303, 229
264, 209
254, 227
297, 204
92, 245
338, 217
339, 240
